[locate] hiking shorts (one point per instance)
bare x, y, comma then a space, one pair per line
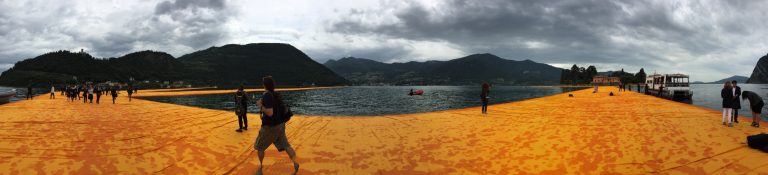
269, 135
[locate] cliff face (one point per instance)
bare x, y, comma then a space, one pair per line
760, 73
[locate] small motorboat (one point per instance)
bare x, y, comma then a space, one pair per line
6, 96
416, 92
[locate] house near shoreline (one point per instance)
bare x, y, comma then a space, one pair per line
602, 80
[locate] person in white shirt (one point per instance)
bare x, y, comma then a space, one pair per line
53, 90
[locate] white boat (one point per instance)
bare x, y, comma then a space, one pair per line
669, 86
6, 96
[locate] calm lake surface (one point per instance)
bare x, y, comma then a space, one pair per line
21, 92
381, 100
376, 100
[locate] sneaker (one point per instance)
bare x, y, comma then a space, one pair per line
239, 130
730, 124
723, 123
245, 129
295, 168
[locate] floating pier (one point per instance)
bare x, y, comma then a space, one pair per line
629, 133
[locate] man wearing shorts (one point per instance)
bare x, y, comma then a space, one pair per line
756, 104
272, 125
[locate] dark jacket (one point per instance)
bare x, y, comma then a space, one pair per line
727, 96
484, 94
241, 102
736, 101
754, 99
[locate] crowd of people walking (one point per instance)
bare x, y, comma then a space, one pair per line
88, 92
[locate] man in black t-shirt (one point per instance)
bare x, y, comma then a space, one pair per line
272, 125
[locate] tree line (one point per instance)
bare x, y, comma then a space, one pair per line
580, 75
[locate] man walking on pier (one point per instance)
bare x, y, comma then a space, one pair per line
98, 92
273, 125
114, 94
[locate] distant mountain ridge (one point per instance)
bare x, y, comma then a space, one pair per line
738, 78
760, 73
227, 65
471, 69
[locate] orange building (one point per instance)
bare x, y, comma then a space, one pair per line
605, 80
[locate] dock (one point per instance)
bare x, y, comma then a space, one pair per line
589, 133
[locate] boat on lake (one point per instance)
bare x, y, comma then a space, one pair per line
673, 86
5, 96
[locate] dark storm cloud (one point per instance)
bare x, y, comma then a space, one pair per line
166, 7
614, 32
32, 28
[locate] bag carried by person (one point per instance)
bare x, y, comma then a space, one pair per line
759, 141
282, 109
239, 103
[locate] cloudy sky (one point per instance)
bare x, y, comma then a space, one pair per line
708, 39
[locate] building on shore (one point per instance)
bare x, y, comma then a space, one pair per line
602, 80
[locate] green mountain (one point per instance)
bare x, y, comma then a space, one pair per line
760, 73
466, 70
232, 64
228, 66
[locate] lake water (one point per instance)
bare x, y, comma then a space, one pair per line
376, 100
21, 92
381, 100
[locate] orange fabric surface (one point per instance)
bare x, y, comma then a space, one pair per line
590, 133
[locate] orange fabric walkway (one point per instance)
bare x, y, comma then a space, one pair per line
587, 134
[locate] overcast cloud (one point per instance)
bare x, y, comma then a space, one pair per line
708, 39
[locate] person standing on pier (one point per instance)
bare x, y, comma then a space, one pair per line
485, 89
755, 104
727, 95
29, 92
53, 93
85, 94
272, 124
98, 92
736, 102
241, 109
661, 91
114, 94
90, 93
130, 92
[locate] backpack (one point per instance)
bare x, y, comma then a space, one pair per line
239, 103
282, 109
759, 141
